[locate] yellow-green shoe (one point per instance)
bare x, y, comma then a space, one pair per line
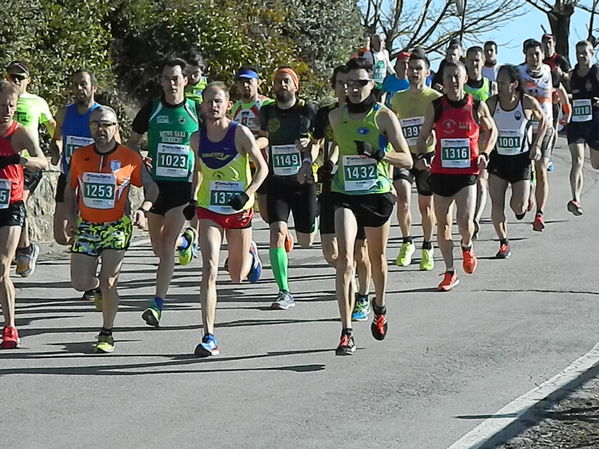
105, 344
186, 255
427, 262
404, 258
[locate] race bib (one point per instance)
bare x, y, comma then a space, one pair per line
4, 193
74, 142
509, 142
221, 193
455, 153
359, 173
248, 118
172, 160
99, 190
411, 129
582, 110
286, 160
380, 71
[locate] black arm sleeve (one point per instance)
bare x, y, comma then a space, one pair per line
321, 122
142, 119
263, 117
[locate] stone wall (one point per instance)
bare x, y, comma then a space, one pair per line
40, 207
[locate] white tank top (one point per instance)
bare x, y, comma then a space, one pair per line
514, 129
540, 86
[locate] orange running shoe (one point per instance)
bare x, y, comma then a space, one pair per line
469, 260
10, 338
288, 242
450, 280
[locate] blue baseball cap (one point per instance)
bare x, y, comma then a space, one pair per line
246, 73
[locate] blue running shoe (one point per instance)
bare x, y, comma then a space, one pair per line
361, 308
256, 270
208, 347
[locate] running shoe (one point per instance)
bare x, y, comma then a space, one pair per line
469, 260
208, 347
346, 345
550, 166
539, 223
450, 280
573, 206
283, 302
361, 308
504, 251
379, 326
152, 316
427, 262
10, 338
105, 344
195, 250
404, 258
26, 260
97, 298
256, 270
288, 242
186, 255
88, 295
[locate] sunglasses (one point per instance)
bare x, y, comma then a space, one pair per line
16, 77
356, 83
97, 125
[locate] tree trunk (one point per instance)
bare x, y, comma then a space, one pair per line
559, 20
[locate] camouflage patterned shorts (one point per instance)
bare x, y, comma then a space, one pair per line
92, 238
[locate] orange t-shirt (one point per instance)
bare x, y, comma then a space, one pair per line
102, 181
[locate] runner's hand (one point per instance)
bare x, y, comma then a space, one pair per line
55, 159
238, 201
365, 149
482, 161
304, 173
139, 219
535, 154
148, 162
190, 210
325, 170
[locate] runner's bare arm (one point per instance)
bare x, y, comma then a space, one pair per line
246, 144
566, 106
70, 207
426, 131
389, 125
51, 126
194, 142
531, 104
488, 129
25, 139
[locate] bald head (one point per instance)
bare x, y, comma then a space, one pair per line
103, 114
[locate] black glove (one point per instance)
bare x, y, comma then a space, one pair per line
13, 159
238, 201
364, 148
325, 170
190, 210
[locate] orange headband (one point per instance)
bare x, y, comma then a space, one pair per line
291, 73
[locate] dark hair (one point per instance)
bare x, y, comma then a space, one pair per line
360, 64
195, 58
92, 77
490, 44
456, 65
514, 73
585, 43
174, 62
339, 69
455, 42
419, 55
531, 43
475, 49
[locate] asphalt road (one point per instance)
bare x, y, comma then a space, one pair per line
449, 361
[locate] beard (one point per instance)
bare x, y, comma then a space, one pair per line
283, 96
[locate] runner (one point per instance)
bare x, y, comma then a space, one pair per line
169, 121
286, 125
481, 89
539, 81
491, 67
584, 127
557, 62
454, 53
196, 81
246, 111
97, 205
369, 138
72, 131
410, 107
323, 137
32, 111
378, 56
225, 201
510, 163
461, 123
14, 138
397, 81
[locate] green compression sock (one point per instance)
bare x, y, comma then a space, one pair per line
278, 262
